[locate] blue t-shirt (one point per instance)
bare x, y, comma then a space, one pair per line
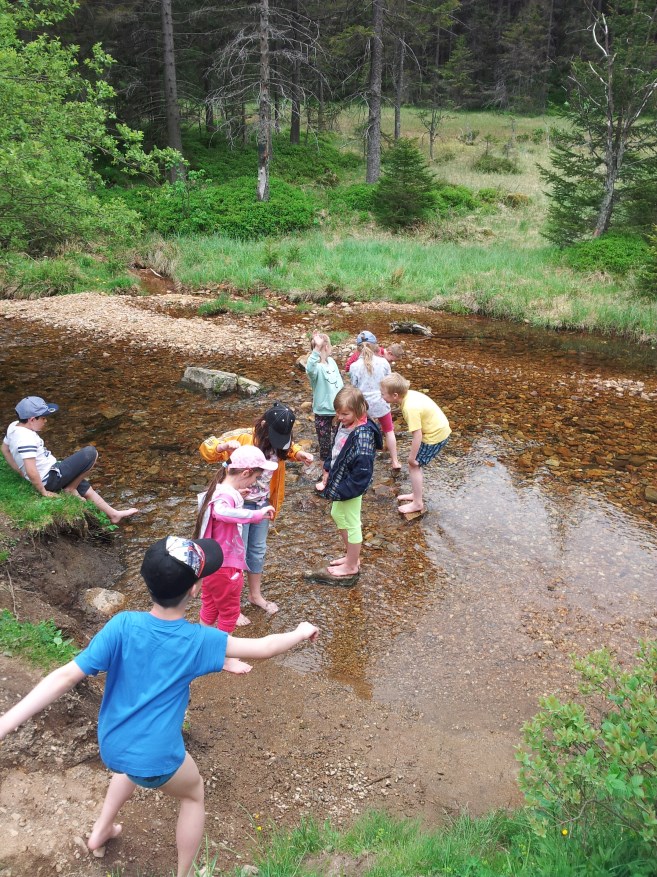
149, 664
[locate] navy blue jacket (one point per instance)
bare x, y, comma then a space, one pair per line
352, 472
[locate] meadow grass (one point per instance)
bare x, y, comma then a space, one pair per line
25, 509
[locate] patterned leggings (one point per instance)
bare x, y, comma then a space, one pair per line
323, 428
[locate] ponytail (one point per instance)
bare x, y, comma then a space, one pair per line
367, 354
219, 476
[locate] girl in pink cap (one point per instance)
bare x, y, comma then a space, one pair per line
220, 517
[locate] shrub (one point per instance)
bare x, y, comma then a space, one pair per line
495, 164
489, 195
613, 253
359, 197
457, 199
230, 209
597, 761
516, 200
405, 193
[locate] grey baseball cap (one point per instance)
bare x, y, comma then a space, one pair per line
34, 406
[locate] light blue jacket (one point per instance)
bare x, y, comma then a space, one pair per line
326, 381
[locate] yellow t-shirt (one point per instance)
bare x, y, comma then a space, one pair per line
421, 412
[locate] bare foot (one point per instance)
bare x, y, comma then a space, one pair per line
405, 497
410, 507
268, 605
341, 561
342, 571
242, 621
119, 516
234, 665
320, 485
396, 467
98, 839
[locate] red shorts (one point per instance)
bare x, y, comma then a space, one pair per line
220, 598
386, 423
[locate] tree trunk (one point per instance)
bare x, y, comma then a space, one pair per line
376, 76
614, 162
174, 137
320, 105
209, 105
399, 84
295, 115
264, 117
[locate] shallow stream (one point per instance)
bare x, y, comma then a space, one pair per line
539, 540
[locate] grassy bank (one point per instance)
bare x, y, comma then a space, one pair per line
25, 509
499, 845
501, 280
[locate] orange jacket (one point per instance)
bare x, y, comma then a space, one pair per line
208, 450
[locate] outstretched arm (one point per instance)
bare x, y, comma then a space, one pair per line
42, 695
274, 644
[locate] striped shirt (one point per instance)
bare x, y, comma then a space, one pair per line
26, 444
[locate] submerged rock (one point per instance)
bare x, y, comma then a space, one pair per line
211, 380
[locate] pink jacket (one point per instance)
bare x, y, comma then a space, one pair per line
223, 522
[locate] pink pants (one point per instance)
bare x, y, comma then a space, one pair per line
220, 598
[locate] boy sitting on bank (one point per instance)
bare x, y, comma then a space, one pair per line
25, 452
430, 429
150, 659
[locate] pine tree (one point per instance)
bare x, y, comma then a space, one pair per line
405, 192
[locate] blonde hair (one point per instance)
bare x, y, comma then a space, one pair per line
322, 336
350, 399
396, 350
367, 353
396, 383
218, 478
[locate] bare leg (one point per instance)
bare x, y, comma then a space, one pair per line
351, 564
113, 514
120, 789
416, 504
187, 785
391, 442
340, 561
255, 594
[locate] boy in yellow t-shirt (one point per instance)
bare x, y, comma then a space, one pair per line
430, 429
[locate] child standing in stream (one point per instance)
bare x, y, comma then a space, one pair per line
349, 474
326, 381
430, 430
366, 373
220, 517
150, 659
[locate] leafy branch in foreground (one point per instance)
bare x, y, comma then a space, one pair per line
583, 763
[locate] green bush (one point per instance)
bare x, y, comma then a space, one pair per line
315, 161
23, 277
195, 207
458, 199
405, 193
495, 164
597, 761
359, 197
613, 253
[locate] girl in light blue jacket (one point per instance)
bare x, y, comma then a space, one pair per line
326, 382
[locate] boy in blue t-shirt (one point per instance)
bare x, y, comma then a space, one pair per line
150, 659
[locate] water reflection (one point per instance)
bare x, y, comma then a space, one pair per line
538, 540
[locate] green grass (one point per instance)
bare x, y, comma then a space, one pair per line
224, 304
23, 277
41, 644
501, 844
501, 280
26, 509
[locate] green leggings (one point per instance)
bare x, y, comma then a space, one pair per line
346, 514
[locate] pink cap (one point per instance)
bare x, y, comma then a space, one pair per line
250, 457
